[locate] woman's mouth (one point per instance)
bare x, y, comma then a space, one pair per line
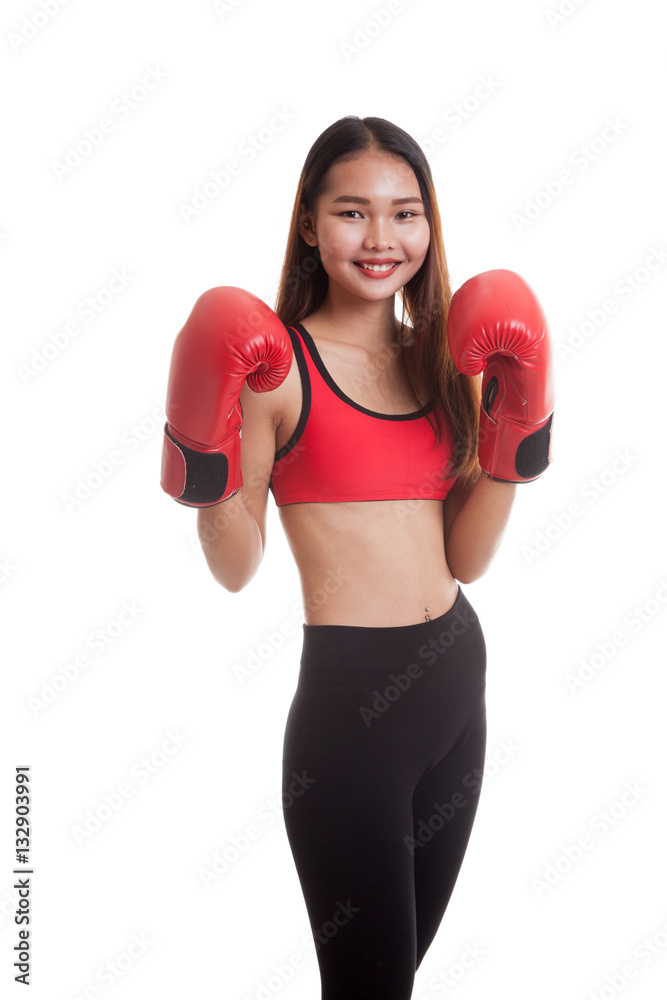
376, 270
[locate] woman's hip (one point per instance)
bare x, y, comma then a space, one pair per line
387, 690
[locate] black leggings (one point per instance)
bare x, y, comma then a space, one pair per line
382, 767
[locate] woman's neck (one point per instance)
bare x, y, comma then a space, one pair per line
372, 325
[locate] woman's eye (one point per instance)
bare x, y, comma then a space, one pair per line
407, 213
350, 211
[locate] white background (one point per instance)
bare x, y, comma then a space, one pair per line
581, 575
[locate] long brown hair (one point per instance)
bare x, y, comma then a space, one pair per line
425, 298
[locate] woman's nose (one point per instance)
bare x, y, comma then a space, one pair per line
379, 235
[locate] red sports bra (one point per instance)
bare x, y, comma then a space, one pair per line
342, 451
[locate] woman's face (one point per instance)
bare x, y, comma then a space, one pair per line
371, 212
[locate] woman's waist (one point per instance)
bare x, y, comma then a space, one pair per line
381, 593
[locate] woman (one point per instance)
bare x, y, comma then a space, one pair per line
368, 440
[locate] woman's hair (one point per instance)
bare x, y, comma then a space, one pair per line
426, 297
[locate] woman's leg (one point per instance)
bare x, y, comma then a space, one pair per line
358, 884
444, 808
345, 832
446, 797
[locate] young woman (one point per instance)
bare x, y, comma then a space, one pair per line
367, 435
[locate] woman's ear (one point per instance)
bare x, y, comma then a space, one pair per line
307, 228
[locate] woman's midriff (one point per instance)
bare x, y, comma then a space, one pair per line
376, 562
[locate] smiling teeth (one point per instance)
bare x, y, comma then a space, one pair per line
379, 267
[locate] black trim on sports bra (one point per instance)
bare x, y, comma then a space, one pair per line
305, 400
317, 360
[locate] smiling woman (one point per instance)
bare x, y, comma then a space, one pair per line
366, 432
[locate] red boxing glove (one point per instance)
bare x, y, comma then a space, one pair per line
496, 326
229, 338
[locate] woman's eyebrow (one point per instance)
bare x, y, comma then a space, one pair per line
366, 201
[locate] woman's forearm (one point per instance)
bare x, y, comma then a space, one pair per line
478, 528
231, 541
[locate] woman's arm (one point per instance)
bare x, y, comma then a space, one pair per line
233, 533
496, 327
476, 514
